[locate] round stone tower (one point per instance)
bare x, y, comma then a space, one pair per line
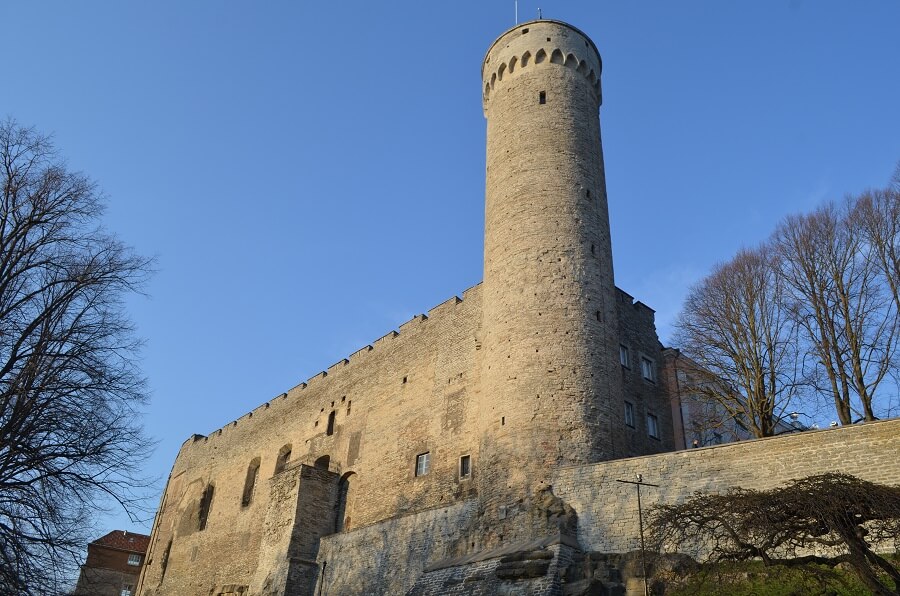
549, 369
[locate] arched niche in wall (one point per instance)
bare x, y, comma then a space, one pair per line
284, 456
250, 482
344, 506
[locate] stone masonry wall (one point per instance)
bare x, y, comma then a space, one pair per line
646, 394
388, 557
408, 393
607, 510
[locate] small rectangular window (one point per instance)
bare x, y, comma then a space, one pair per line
465, 467
423, 463
629, 414
647, 369
624, 356
134, 560
126, 590
542, 97
652, 426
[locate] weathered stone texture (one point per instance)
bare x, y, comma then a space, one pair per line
388, 557
607, 510
522, 375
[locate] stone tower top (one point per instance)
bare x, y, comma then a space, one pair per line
537, 42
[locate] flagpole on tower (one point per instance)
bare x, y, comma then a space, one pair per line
517, 12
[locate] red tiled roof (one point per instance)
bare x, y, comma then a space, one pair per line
122, 540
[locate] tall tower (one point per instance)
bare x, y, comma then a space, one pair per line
550, 368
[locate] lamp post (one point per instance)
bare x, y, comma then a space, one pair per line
638, 484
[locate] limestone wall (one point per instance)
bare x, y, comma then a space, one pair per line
607, 510
410, 392
388, 557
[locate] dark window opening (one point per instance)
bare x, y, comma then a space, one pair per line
165, 561
205, 505
404, 380
503, 421
330, 430
250, 482
652, 426
588, 193
322, 463
593, 250
599, 317
341, 519
465, 466
542, 97
349, 403
524, 31
284, 456
629, 414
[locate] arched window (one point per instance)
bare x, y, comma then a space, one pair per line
205, 505
284, 456
342, 511
330, 430
322, 462
250, 482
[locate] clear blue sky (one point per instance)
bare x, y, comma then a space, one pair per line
311, 174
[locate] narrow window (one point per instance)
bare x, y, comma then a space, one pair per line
465, 467
647, 369
250, 482
588, 193
342, 509
205, 505
134, 560
629, 414
423, 463
330, 430
404, 380
503, 421
284, 456
349, 403
652, 426
165, 561
542, 97
624, 356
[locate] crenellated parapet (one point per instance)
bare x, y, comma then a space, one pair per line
444, 309
540, 44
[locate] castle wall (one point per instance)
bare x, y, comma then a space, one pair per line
643, 390
607, 510
388, 557
408, 393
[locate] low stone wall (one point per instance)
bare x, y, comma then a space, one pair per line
388, 557
607, 510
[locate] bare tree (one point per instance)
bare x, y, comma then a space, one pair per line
839, 301
829, 520
734, 328
877, 215
70, 390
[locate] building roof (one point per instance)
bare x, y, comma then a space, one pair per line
123, 540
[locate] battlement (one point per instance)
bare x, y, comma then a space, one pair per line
443, 309
539, 43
